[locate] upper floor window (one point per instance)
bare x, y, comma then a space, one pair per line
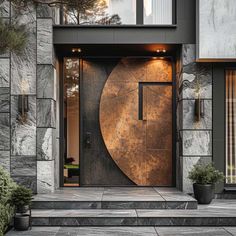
158, 12
101, 12
119, 12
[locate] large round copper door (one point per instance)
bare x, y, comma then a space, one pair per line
142, 148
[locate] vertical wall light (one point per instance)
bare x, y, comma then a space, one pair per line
199, 110
23, 101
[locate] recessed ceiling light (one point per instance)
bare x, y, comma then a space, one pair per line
76, 50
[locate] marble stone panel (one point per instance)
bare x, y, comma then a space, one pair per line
23, 165
44, 41
23, 133
4, 8
196, 142
196, 76
4, 72
217, 29
188, 54
4, 99
23, 66
187, 165
189, 120
4, 131
43, 10
45, 81
5, 160
45, 176
46, 112
27, 181
45, 144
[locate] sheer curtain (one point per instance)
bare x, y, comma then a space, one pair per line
158, 12
230, 107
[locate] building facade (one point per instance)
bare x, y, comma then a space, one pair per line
128, 93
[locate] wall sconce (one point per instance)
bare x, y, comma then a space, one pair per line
23, 106
199, 110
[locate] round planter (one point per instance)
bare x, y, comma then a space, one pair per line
22, 209
204, 193
21, 222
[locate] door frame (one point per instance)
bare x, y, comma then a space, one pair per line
81, 109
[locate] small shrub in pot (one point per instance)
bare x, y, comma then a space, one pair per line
21, 198
204, 178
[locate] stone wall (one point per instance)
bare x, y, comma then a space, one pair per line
194, 137
217, 29
27, 148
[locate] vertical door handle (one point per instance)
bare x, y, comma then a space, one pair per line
88, 140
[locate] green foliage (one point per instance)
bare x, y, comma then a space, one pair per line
205, 174
7, 186
21, 196
13, 37
6, 213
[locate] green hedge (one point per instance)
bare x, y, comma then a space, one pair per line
7, 185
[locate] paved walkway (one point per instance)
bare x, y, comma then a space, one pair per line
126, 231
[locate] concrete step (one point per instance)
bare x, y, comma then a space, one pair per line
115, 198
132, 217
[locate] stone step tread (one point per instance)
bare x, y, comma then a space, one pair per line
116, 194
144, 213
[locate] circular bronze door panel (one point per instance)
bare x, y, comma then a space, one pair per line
142, 149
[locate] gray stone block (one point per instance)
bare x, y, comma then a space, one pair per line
45, 176
196, 143
45, 81
4, 100
43, 10
23, 66
23, 134
4, 131
5, 160
23, 166
27, 181
4, 8
46, 112
189, 120
44, 41
4, 72
45, 144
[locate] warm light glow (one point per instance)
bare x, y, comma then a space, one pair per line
76, 50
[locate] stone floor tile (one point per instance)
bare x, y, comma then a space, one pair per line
191, 231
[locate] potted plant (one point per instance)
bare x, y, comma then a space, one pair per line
204, 178
21, 198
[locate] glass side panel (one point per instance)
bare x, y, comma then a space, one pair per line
158, 12
230, 117
71, 122
101, 12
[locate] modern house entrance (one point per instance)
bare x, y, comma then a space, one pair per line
118, 121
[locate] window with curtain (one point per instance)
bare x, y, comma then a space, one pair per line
158, 12
230, 108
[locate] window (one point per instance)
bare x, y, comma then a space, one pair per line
158, 12
102, 12
120, 12
71, 122
230, 108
